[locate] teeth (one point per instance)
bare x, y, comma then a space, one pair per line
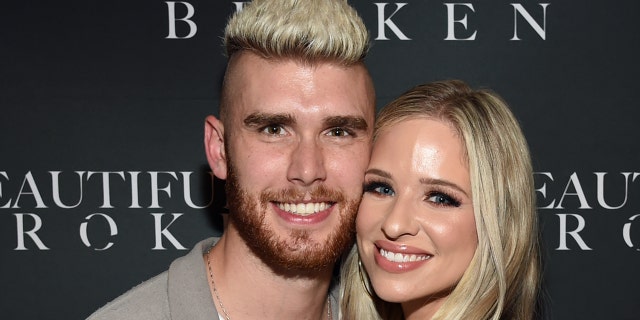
304, 209
399, 257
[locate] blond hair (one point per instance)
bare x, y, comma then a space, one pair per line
503, 279
309, 30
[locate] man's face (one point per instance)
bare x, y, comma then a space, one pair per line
298, 140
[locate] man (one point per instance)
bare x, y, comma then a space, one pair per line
292, 142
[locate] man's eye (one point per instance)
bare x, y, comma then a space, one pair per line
273, 130
339, 132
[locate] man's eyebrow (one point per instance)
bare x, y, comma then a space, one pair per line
356, 123
260, 119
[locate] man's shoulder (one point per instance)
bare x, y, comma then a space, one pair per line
182, 292
148, 300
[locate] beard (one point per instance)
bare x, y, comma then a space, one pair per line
297, 253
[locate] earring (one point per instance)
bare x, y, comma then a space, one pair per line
365, 284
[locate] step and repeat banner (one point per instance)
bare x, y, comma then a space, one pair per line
104, 181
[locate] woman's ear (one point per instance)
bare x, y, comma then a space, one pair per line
214, 147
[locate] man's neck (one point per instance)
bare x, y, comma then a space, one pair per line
247, 288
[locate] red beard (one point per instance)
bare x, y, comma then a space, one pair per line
296, 253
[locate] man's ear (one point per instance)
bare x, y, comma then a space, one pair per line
214, 146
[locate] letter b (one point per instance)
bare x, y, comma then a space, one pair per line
171, 6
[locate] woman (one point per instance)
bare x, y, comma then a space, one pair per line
447, 227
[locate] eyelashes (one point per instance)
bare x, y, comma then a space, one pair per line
272, 129
379, 188
434, 194
340, 132
276, 129
442, 199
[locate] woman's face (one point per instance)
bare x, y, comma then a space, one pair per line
416, 228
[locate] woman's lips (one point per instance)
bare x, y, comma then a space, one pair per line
395, 258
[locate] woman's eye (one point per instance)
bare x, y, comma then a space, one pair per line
273, 130
379, 188
384, 190
443, 200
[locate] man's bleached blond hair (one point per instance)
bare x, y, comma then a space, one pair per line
306, 31
309, 30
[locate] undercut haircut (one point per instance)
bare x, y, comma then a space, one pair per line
306, 31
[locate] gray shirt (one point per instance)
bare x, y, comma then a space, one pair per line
180, 293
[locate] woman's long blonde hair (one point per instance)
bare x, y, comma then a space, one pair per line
503, 278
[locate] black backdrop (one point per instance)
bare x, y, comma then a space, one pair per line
102, 171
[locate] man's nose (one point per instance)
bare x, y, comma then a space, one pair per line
306, 163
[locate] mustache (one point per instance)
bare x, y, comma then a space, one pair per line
319, 193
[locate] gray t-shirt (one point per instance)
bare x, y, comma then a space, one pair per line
180, 293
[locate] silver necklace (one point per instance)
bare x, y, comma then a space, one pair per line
215, 290
226, 315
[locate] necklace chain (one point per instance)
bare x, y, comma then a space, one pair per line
226, 314
215, 290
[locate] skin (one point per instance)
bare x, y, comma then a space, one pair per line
295, 134
417, 202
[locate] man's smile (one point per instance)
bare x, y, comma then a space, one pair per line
304, 208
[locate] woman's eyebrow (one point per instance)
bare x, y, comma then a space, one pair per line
441, 182
379, 172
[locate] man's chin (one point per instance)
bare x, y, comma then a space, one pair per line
299, 253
